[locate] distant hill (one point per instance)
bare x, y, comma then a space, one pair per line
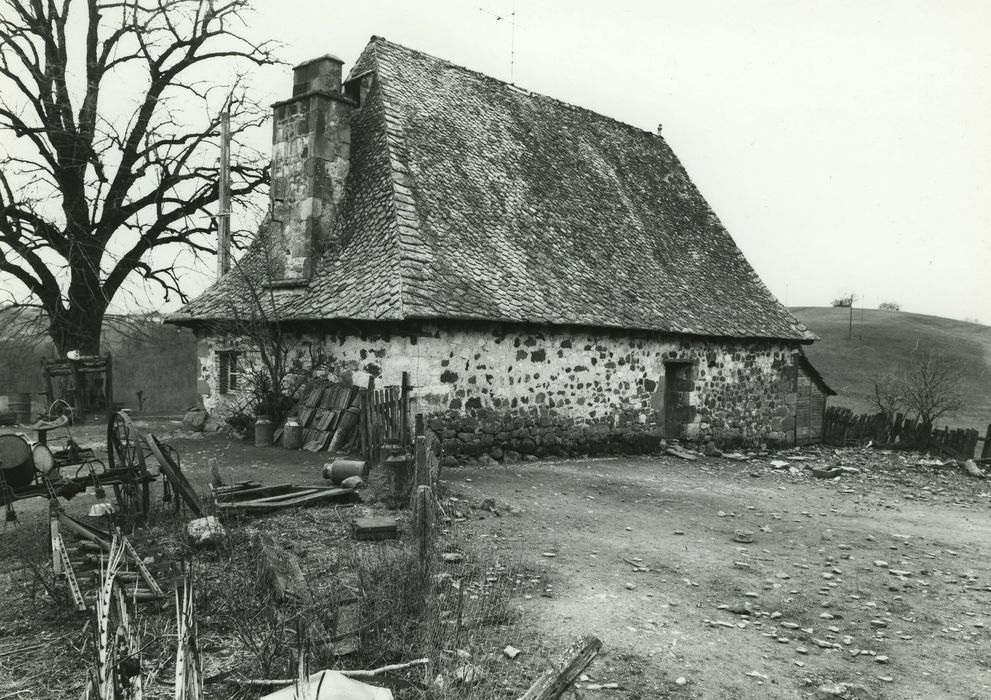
881, 338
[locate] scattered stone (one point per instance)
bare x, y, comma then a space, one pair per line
679, 532
205, 532
801, 650
469, 674
511, 652
680, 680
353, 482
630, 586
195, 420
843, 691
881, 659
743, 536
881, 563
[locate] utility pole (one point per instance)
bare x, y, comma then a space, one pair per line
850, 337
224, 203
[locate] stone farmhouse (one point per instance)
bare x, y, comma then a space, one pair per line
549, 279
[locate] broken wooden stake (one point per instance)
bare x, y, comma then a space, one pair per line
555, 681
278, 571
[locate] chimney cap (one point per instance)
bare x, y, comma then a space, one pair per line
325, 57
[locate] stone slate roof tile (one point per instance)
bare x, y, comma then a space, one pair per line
469, 198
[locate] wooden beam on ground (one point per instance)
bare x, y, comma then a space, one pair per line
555, 681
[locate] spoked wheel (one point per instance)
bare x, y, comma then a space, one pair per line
124, 445
126, 455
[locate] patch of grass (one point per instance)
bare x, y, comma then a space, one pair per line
887, 337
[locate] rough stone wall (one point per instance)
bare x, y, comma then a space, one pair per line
510, 391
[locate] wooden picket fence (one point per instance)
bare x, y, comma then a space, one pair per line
843, 427
385, 419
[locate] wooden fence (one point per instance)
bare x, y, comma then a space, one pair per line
843, 427
385, 419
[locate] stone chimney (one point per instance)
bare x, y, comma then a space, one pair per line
311, 149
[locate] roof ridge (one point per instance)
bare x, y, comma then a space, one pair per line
517, 88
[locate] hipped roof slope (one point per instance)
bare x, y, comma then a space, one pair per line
469, 198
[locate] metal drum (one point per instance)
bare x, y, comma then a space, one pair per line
42, 458
15, 461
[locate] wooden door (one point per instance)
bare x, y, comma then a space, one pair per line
677, 386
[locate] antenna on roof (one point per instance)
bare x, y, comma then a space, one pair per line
512, 38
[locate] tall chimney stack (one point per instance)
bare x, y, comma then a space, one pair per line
311, 149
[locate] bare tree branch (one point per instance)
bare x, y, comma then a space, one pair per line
94, 188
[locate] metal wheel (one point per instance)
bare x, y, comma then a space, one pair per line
124, 445
126, 455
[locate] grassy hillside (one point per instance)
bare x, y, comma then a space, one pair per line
885, 337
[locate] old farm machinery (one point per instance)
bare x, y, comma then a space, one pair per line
32, 468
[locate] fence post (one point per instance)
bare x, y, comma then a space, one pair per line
404, 409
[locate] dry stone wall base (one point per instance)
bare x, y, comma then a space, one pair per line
511, 391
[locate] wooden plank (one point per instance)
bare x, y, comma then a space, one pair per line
554, 683
250, 494
283, 497
300, 501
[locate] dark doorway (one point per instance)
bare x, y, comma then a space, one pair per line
678, 384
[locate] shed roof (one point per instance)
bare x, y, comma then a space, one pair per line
469, 198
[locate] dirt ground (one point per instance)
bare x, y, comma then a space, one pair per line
891, 563
880, 578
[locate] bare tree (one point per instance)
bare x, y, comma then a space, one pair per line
278, 361
928, 384
93, 188
888, 393
933, 386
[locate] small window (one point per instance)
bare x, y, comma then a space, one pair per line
230, 374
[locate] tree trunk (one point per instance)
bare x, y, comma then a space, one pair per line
78, 326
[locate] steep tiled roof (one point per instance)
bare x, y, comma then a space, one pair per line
470, 198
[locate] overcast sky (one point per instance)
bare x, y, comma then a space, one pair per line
845, 145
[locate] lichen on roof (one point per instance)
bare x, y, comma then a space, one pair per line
469, 198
